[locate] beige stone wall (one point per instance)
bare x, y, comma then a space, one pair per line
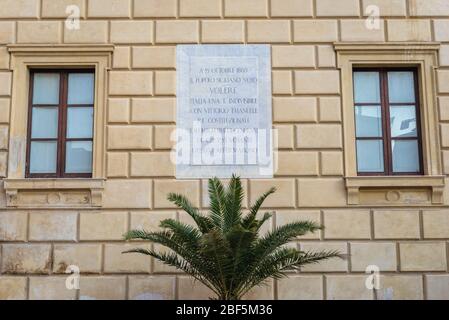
410, 243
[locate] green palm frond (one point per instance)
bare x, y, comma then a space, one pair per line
233, 204
217, 197
203, 223
187, 234
251, 217
285, 260
224, 249
283, 235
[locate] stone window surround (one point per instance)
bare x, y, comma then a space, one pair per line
25, 57
423, 56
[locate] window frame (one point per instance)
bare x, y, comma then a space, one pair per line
385, 104
62, 125
376, 190
21, 192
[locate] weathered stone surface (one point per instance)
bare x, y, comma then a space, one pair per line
387, 8
13, 288
423, 256
132, 32
396, 224
4, 64
356, 30
265, 292
7, 32
311, 192
437, 287
200, 8
119, 110
177, 31
436, 224
116, 261
130, 137
294, 109
89, 32
428, 8
284, 196
409, 30
151, 288
38, 32
103, 226
297, 163
13, 226
401, 287
282, 82
153, 110
301, 288
19, 8
57, 9
344, 8
381, 254
109, 8
262, 31
131, 83
249, 8
5, 85
154, 57
152, 164
26, 258
87, 257
155, 8
118, 164
127, 194
50, 288
193, 290
162, 188
318, 136
103, 288
57, 226
219, 31
315, 30
149, 221
291, 8
350, 287
347, 224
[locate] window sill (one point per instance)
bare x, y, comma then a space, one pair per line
395, 189
54, 192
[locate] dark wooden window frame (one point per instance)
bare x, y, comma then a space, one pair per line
386, 128
62, 125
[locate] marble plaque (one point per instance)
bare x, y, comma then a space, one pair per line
224, 117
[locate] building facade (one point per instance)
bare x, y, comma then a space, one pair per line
360, 100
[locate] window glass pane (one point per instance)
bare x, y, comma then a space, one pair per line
78, 157
368, 121
81, 88
43, 157
370, 156
403, 121
405, 156
401, 87
79, 122
45, 122
46, 88
366, 87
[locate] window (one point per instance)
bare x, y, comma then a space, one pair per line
60, 126
398, 172
387, 122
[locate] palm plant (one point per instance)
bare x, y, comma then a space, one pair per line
225, 250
